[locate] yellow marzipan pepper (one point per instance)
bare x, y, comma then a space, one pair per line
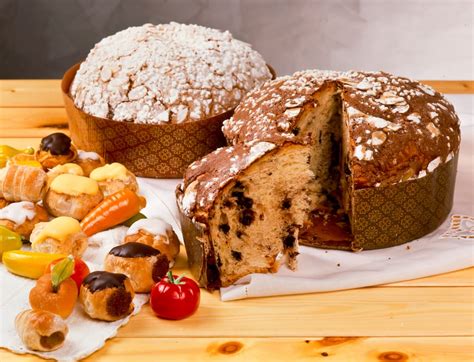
7, 152
9, 240
28, 264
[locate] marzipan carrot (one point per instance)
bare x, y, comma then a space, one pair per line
113, 210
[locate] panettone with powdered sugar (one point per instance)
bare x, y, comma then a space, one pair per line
166, 73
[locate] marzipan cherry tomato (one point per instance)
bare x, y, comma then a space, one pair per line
175, 297
81, 270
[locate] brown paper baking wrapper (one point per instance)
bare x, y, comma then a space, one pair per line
158, 151
382, 217
406, 211
198, 253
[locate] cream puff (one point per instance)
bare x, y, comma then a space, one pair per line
55, 149
72, 195
62, 235
21, 217
156, 233
106, 296
68, 168
143, 264
89, 161
114, 177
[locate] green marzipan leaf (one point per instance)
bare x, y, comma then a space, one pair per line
61, 271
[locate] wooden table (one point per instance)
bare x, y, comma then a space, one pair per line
430, 319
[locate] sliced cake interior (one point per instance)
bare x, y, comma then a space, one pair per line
328, 223
257, 216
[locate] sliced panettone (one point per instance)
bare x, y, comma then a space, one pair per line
239, 219
382, 151
369, 130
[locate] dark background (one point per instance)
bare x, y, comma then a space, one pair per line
425, 39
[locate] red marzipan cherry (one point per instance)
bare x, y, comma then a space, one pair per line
175, 297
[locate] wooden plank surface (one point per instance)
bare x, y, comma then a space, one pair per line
47, 92
427, 319
383, 349
433, 311
30, 93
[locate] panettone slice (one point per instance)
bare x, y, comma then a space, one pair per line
242, 218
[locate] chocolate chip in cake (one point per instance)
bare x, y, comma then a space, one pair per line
239, 185
237, 194
224, 228
295, 131
247, 217
245, 202
239, 234
286, 204
289, 241
236, 255
228, 203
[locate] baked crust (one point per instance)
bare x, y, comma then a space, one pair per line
59, 204
397, 128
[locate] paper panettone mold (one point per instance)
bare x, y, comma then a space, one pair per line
395, 214
148, 150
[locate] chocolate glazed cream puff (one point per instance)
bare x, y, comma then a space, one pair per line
106, 296
55, 149
143, 264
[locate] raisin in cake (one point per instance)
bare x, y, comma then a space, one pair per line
242, 207
166, 73
371, 131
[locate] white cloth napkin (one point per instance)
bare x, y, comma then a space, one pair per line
85, 335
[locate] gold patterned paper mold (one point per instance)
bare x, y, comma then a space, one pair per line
395, 214
157, 151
